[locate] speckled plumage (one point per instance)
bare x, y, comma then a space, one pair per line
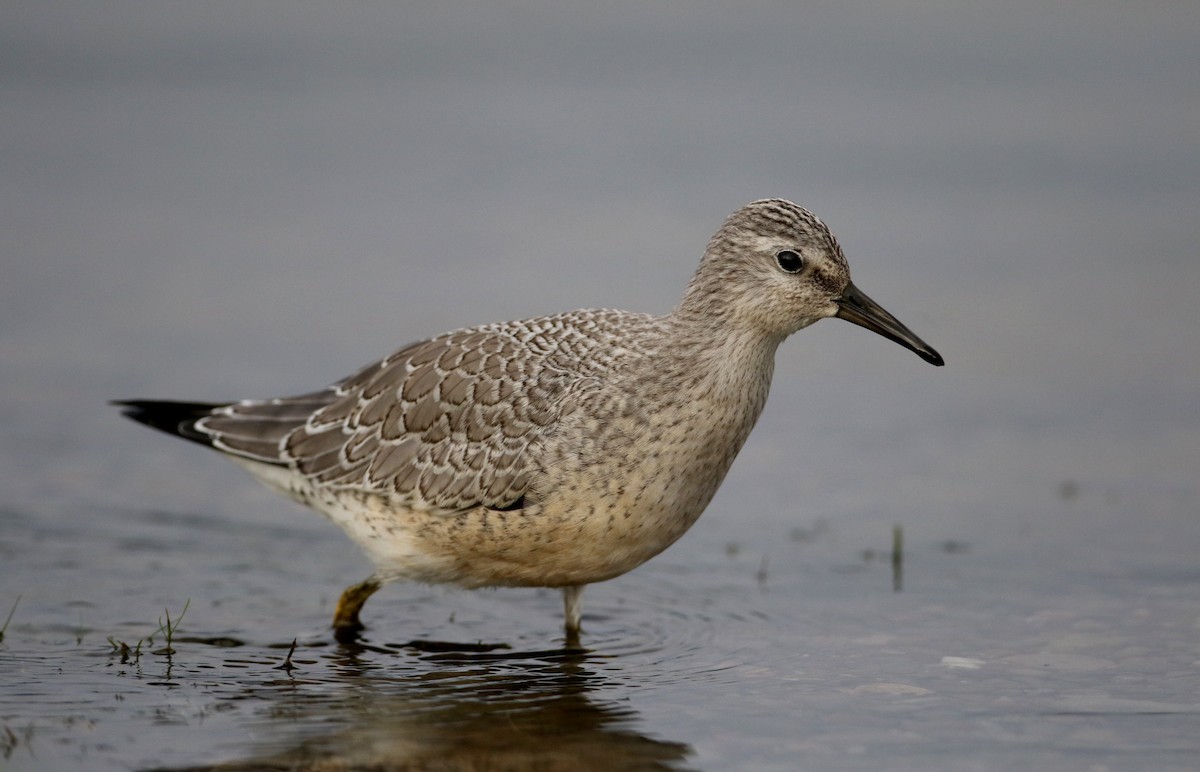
555, 451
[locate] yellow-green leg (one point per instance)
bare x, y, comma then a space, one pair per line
346, 624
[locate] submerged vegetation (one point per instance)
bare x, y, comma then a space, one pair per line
166, 630
11, 611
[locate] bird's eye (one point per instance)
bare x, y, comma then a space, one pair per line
789, 261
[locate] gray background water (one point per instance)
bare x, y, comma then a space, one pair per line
224, 200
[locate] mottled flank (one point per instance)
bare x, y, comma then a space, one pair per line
555, 451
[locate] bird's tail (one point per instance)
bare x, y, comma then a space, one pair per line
177, 418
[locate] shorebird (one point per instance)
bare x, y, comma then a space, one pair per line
548, 452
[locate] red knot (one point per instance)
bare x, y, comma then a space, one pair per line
548, 452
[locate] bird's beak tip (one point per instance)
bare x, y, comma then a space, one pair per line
854, 306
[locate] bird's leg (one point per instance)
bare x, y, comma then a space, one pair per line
346, 625
573, 608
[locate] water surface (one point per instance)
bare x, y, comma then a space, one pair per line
219, 202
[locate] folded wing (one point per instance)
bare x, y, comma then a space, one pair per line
449, 423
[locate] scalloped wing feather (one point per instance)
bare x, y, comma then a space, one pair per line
444, 424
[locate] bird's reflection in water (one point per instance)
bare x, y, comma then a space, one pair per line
465, 712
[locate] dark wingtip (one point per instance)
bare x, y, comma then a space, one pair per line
177, 418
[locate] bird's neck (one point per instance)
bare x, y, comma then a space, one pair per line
722, 365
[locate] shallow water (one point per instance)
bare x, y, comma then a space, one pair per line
204, 206
792, 649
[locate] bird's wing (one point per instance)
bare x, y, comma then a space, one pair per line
443, 424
